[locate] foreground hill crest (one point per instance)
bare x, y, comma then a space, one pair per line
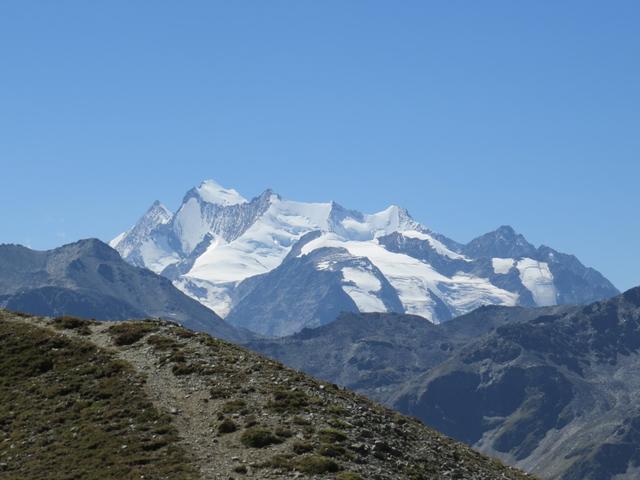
195, 407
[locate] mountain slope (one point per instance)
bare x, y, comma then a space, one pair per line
218, 246
378, 354
203, 409
556, 395
311, 290
89, 279
69, 409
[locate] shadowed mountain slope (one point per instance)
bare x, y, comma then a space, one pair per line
89, 279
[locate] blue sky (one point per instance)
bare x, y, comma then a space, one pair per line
469, 114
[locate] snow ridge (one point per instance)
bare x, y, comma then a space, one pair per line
218, 245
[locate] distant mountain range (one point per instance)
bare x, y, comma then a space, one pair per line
553, 390
276, 266
511, 360
89, 279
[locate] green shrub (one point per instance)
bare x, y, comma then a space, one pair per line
301, 447
240, 469
284, 432
128, 333
73, 323
327, 450
300, 421
162, 342
331, 435
227, 426
257, 437
234, 406
338, 410
288, 401
315, 464
182, 368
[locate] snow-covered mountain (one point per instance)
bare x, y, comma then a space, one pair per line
276, 266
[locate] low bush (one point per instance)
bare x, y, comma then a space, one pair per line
227, 426
331, 435
302, 447
128, 333
256, 437
316, 465
288, 400
73, 323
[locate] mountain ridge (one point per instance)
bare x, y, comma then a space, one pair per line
551, 390
210, 249
88, 278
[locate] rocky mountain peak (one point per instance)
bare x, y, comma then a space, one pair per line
504, 242
90, 247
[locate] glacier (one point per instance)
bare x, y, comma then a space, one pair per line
218, 247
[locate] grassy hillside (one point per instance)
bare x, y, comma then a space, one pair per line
69, 410
151, 400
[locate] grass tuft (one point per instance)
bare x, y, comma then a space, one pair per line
256, 437
128, 333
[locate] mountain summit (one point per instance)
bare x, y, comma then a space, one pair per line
245, 258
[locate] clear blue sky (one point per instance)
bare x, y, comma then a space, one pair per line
470, 114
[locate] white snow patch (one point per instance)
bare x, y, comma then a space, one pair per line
212, 192
437, 245
392, 219
416, 281
501, 266
362, 286
214, 296
538, 279
264, 245
189, 225
466, 293
157, 257
114, 243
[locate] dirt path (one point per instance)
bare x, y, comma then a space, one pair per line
186, 399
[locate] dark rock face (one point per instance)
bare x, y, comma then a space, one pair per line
611, 458
54, 301
575, 283
89, 279
557, 395
460, 403
502, 243
377, 353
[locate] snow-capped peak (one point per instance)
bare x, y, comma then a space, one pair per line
212, 192
156, 215
217, 239
159, 212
